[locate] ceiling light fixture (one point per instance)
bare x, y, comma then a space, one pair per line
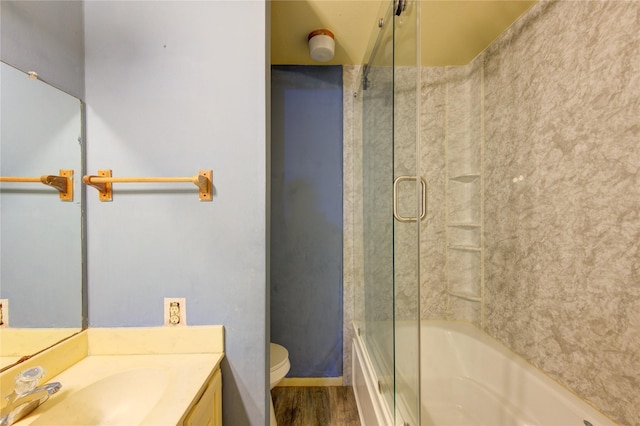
322, 45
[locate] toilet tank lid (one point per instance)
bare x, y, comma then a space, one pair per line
279, 355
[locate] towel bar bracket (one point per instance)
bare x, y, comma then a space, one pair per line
205, 185
104, 188
66, 186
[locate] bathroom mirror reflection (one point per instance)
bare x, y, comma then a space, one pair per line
41, 248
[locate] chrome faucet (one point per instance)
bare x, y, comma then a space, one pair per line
26, 396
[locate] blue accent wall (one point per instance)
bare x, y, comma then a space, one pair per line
306, 217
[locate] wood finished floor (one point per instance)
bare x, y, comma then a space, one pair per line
315, 406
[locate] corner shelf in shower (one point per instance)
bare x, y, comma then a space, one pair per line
465, 296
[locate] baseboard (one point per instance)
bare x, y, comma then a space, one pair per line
311, 381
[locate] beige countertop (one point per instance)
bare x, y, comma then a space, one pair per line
150, 376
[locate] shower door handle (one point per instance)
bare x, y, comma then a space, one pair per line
423, 185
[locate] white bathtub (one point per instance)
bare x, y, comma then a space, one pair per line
468, 378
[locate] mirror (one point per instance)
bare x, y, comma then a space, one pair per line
41, 244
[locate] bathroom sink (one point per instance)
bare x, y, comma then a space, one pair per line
122, 398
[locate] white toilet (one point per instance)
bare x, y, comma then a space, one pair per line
279, 368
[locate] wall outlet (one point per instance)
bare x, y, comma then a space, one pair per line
175, 311
4, 312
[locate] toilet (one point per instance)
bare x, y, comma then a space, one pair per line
279, 368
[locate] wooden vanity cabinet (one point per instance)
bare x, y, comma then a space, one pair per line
207, 411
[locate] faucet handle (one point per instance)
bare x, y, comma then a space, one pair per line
28, 380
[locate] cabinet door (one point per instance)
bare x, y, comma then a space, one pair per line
208, 410
216, 385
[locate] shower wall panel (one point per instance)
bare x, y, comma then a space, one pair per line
433, 256
463, 193
377, 176
451, 133
404, 164
562, 195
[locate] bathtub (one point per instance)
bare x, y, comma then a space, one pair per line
467, 378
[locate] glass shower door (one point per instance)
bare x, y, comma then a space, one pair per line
410, 192
393, 194
377, 190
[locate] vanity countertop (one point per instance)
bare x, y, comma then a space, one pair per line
148, 376
143, 389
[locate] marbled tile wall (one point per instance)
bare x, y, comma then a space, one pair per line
463, 192
405, 241
433, 231
562, 197
368, 246
377, 209
450, 146
451, 139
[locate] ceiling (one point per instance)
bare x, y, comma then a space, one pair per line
453, 32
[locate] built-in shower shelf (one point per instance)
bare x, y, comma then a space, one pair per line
464, 225
465, 178
465, 248
465, 296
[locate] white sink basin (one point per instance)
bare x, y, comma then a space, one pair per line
125, 398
